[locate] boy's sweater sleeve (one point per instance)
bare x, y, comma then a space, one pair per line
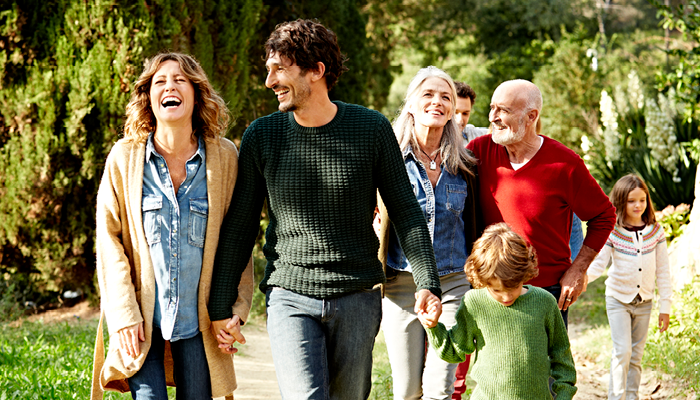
600, 262
563, 369
452, 345
663, 275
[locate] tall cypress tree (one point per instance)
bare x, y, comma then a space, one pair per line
66, 71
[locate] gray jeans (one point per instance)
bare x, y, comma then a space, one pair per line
415, 373
629, 325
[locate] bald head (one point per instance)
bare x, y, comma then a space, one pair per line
523, 92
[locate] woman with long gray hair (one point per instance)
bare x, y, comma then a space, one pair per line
442, 174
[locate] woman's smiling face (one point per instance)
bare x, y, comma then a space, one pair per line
172, 95
432, 107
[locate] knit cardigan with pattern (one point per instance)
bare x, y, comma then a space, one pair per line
518, 347
638, 259
320, 184
125, 271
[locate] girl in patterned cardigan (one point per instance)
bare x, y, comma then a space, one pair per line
637, 246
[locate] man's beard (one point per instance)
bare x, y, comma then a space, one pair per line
509, 137
301, 95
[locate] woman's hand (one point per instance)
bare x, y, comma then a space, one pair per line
228, 332
663, 322
130, 339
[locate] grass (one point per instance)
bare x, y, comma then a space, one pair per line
48, 361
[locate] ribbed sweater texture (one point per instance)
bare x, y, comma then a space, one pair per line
320, 184
517, 347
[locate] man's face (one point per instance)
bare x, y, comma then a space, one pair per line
290, 84
462, 112
507, 116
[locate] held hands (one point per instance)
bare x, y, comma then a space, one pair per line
428, 308
228, 332
130, 339
663, 322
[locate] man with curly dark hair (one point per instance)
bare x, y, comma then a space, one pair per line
319, 164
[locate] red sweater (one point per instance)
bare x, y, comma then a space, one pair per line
539, 199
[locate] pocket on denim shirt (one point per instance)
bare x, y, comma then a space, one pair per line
199, 211
456, 196
150, 208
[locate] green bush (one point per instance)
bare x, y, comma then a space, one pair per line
674, 220
677, 351
66, 68
645, 136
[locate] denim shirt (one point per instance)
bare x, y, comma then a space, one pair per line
443, 209
175, 227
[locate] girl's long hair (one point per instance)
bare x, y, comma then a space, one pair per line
210, 116
452, 151
621, 191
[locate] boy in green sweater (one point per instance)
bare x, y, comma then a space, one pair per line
516, 330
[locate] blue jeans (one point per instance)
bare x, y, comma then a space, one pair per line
555, 290
190, 368
322, 348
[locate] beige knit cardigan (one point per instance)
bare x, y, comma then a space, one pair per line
125, 271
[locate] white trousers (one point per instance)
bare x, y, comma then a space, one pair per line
629, 325
416, 373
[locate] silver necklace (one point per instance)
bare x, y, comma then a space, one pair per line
433, 165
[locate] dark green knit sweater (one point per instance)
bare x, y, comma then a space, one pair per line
321, 185
518, 347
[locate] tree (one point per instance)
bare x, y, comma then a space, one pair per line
66, 69
684, 76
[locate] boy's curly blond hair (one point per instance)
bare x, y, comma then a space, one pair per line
503, 254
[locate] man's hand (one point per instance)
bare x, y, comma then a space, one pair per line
663, 322
574, 280
428, 308
130, 339
228, 332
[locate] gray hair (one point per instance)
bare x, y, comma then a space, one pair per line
454, 155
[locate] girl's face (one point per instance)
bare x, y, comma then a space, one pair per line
503, 295
636, 205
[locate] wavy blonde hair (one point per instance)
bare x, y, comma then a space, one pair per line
210, 117
502, 254
454, 155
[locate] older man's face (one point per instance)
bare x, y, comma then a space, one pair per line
507, 116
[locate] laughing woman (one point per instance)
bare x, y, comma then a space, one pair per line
441, 172
165, 190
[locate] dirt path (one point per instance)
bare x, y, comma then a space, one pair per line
255, 372
592, 377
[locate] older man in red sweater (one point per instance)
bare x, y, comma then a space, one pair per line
535, 184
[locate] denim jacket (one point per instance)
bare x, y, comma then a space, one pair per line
443, 209
175, 227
